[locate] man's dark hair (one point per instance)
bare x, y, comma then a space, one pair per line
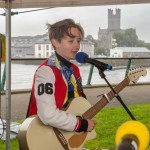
62, 28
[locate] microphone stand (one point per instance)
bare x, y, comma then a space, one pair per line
102, 75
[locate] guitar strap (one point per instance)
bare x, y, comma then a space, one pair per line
61, 138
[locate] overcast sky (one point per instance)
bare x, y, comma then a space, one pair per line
91, 18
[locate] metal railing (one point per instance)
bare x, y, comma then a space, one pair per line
127, 66
127, 63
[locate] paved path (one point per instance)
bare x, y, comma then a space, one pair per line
139, 94
130, 95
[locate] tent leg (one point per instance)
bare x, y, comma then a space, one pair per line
8, 73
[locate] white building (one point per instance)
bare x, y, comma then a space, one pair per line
126, 52
87, 47
43, 48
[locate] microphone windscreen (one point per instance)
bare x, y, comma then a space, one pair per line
137, 129
81, 56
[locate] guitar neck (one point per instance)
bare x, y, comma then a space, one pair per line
91, 112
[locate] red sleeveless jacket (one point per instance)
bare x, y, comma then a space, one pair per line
60, 87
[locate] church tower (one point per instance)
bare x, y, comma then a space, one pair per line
105, 35
113, 20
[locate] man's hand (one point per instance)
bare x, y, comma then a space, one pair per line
91, 125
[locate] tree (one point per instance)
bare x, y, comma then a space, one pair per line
119, 38
140, 43
126, 38
100, 50
147, 45
90, 38
131, 37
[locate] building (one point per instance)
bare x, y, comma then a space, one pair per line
87, 47
22, 50
43, 48
127, 52
40, 47
105, 35
23, 46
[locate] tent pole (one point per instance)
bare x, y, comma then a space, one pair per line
8, 73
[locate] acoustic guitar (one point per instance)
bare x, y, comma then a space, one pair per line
34, 135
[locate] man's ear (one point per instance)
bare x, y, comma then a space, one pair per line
55, 42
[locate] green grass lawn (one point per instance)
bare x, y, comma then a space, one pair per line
109, 119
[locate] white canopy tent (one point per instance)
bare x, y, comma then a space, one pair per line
65, 3
16, 4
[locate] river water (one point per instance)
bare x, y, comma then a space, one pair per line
22, 75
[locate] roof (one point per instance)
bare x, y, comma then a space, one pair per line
44, 40
132, 49
65, 3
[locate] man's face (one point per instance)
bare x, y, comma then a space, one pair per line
68, 46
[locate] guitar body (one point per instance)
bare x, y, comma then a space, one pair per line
34, 135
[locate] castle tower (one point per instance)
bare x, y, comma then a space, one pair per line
113, 20
105, 35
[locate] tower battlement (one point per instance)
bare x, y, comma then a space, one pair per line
114, 19
105, 35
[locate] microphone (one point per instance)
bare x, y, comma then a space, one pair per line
82, 57
132, 135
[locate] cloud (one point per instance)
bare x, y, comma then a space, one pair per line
91, 18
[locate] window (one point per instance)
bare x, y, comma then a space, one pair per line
39, 55
47, 54
39, 47
47, 47
52, 48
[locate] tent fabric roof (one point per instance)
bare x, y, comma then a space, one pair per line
66, 3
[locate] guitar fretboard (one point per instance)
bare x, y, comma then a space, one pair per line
90, 113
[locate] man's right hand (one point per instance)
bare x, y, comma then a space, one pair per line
91, 125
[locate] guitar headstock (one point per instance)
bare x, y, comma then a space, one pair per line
136, 73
